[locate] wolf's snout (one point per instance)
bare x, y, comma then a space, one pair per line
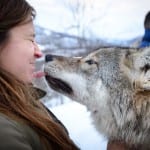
48, 58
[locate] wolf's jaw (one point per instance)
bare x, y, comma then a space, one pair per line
58, 85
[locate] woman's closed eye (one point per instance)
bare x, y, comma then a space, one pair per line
32, 40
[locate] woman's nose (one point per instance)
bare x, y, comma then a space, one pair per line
37, 52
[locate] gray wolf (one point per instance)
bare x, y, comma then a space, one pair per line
114, 84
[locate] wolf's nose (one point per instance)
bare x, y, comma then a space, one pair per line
48, 58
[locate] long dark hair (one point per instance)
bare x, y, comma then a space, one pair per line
16, 100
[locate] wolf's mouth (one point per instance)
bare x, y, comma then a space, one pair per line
58, 85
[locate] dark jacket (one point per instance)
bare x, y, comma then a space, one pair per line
146, 39
18, 136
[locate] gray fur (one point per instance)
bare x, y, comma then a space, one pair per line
114, 84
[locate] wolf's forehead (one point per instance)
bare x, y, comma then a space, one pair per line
105, 54
94, 56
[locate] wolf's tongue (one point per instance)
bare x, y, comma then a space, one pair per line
38, 74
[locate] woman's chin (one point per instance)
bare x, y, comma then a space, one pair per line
28, 79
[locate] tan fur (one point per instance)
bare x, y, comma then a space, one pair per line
114, 84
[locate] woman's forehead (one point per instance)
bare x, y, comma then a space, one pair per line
24, 29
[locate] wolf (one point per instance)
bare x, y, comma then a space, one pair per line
114, 84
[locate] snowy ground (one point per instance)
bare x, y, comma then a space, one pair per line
77, 120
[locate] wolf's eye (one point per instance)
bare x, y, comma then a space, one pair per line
145, 68
90, 62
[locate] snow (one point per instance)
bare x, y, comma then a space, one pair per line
77, 120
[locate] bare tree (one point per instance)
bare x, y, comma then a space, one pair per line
84, 14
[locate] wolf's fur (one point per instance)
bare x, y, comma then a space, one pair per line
114, 84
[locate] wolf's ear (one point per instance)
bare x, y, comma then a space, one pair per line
38, 93
135, 64
145, 80
127, 64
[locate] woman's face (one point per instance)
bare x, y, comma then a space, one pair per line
19, 54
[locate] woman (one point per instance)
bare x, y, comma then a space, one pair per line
24, 123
